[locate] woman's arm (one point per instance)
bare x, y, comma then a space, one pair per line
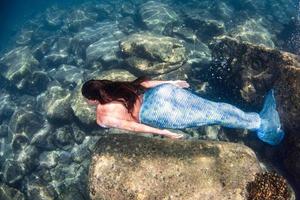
179, 83
112, 122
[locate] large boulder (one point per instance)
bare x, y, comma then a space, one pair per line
156, 15
136, 167
249, 71
253, 31
20, 68
10, 193
106, 48
56, 104
152, 54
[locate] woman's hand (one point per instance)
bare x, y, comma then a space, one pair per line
181, 84
171, 135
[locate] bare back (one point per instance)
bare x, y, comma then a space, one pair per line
119, 111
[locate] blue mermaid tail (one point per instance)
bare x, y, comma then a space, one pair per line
169, 106
270, 128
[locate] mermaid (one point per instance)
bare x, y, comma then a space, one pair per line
149, 106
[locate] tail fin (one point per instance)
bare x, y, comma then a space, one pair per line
270, 128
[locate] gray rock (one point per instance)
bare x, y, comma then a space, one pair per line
42, 48
254, 32
39, 191
69, 178
63, 136
79, 135
69, 76
54, 17
27, 121
19, 67
19, 141
127, 25
10, 193
254, 71
43, 139
87, 36
106, 48
156, 15
59, 53
48, 160
56, 103
24, 38
152, 54
13, 172
7, 107
85, 113
77, 19
4, 130
126, 166
206, 29
28, 158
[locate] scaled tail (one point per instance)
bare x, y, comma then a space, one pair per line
270, 127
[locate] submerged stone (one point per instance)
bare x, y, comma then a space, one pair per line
131, 166
18, 66
152, 54
84, 112
10, 193
106, 48
254, 70
254, 32
56, 103
156, 15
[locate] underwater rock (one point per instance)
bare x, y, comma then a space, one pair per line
4, 130
69, 178
87, 36
59, 53
78, 19
128, 9
68, 75
253, 31
245, 69
56, 104
7, 107
27, 121
130, 166
24, 38
10, 193
106, 48
37, 190
19, 141
21, 69
197, 51
28, 158
254, 70
54, 17
13, 172
84, 112
269, 186
42, 48
63, 137
127, 25
156, 15
152, 54
205, 29
48, 159
113, 75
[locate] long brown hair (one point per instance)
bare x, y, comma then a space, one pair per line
106, 91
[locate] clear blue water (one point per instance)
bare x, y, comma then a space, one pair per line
49, 48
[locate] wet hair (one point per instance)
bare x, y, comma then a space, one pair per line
106, 91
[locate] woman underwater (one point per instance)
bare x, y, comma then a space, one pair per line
147, 106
